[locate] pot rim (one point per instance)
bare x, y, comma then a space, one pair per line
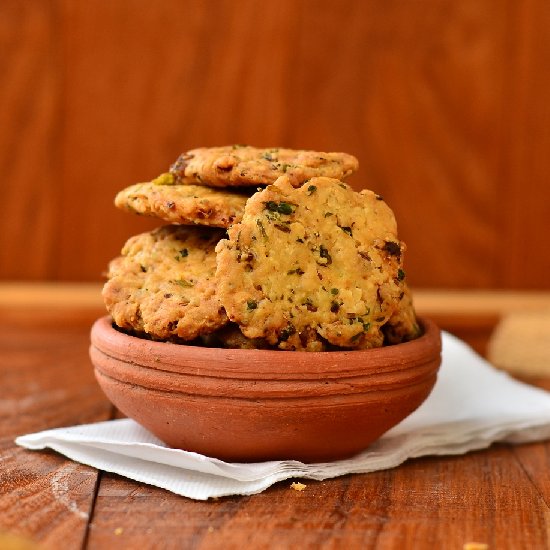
168, 356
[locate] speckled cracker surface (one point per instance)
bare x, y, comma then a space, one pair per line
184, 204
312, 265
163, 284
245, 165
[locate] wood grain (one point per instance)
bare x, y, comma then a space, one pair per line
426, 503
444, 103
46, 382
535, 460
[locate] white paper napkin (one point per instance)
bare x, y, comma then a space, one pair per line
471, 406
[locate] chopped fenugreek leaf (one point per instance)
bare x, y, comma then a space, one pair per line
287, 332
311, 189
183, 283
262, 229
280, 207
323, 252
365, 255
251, 304
347, 230
334, 291
282, 227
400, 274
392, 248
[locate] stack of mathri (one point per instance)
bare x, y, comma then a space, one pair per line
265, 248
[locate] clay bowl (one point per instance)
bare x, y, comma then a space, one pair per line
253, 405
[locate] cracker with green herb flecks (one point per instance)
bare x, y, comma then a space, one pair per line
244, 165
184, 204
163, 284
312, 264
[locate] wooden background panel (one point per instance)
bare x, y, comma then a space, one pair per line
444, 103
30, 139
524, 176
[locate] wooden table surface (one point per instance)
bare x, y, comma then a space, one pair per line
499, 496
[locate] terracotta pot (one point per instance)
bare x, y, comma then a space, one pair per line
252, 405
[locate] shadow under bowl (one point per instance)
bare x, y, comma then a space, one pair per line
246, 405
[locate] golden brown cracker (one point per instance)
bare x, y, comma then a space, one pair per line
244, 165
163, 284
312, 264
184, 204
